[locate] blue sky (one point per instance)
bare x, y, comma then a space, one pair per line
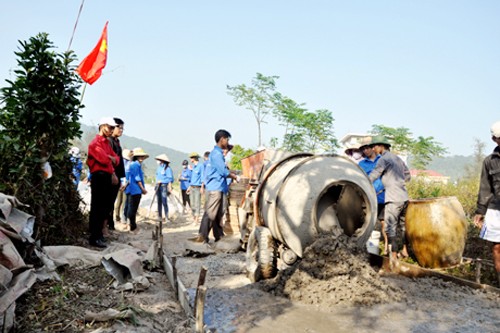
430, 66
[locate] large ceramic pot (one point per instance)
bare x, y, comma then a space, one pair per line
436, 229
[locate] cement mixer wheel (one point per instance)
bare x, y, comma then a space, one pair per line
261, 256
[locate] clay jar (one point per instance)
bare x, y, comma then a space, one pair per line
436, 229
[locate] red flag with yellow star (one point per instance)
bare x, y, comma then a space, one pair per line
90, 68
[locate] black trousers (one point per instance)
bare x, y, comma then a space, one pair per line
212, 217
100, 203
133, 206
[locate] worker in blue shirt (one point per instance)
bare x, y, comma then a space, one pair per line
216, 186
194, 189
184, 179
368, 163
164, 180
136, 186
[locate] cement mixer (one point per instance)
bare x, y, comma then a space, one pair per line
296, 198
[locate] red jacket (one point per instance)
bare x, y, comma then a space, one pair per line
98, 155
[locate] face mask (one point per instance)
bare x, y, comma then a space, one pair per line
356, 155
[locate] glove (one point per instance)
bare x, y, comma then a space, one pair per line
238, 178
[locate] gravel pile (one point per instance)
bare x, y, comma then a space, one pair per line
333, 271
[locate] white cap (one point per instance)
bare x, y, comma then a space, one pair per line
74, 151
107, 121
495, 129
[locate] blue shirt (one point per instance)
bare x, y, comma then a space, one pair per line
368, 165
77, 168
135, 175
217, 171
164, 175
196, 175
185, 178
204, 172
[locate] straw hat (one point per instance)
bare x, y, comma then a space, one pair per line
139, 152
127, 154
194, 155
351, 146
163, 157
366, 141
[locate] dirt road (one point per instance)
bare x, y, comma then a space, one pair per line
333, 289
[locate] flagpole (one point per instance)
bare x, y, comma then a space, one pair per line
76, 23
83, 92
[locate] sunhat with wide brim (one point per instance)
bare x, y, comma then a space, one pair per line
365, 142
163, 157
139, 152
194, 155
127, 154
351, 146
380, 140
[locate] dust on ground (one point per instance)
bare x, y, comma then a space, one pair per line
60, 306
333, 288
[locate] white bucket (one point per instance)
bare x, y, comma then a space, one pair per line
372, 245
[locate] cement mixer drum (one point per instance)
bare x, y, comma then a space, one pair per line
304, 195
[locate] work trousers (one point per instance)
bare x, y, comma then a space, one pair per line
212, 217
395, 214
120, 202
133, 206
195, 197
185, 199
161, 198
101, 202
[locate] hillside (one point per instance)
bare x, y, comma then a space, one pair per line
451, 166
153, 149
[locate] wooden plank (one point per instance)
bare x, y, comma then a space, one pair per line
201, 292
183, 297
201, 282
169, 271
178, 286
415, 271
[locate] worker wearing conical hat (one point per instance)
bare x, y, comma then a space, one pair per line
164, 180
136, 187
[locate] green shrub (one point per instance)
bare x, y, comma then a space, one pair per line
465, 190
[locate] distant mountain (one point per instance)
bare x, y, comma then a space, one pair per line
451, 166
176, 157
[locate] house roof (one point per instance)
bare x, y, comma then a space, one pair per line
429, 173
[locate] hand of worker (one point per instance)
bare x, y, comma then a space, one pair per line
479, 220
238, 178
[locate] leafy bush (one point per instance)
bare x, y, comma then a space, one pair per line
465, 190
39, 115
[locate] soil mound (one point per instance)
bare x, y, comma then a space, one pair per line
333, 271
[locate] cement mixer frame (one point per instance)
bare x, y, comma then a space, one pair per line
291, 199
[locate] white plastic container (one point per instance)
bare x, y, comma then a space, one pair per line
372, 245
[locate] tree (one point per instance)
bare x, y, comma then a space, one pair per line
259, 98
420, 150
238, 153
305, 130
39, 115
473, 170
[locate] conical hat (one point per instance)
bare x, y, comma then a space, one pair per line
163, 157
139, 152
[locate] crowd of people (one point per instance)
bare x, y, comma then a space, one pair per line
389, 175
117, 183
